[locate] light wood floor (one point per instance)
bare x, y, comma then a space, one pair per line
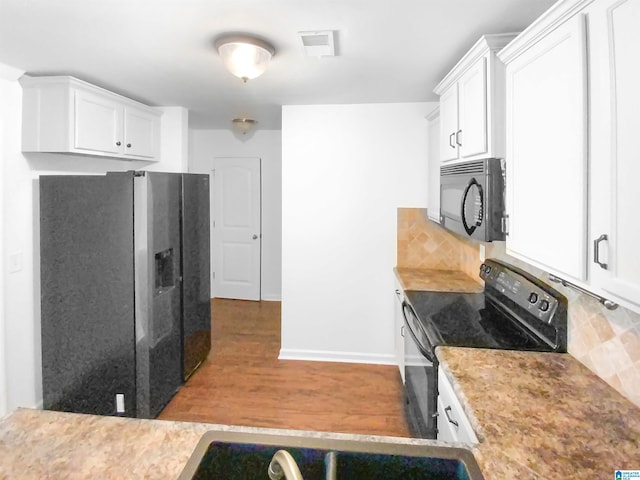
242, 382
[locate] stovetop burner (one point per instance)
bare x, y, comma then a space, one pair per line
515, 312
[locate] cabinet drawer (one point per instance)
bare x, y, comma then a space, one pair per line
453, 424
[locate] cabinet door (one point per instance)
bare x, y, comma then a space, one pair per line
471, 136
453, 424
140, 132
449, 124
546, 152
615, 150
433, 191
97, 123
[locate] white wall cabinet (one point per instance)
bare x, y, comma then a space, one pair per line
546, 151
614, 77
67, 115
453, 424
433, 170
398, 333
472, 103
572, 152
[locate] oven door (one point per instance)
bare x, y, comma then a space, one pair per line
421, 375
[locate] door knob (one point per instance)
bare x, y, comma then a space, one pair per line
254, 236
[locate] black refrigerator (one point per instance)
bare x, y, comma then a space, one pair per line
125, 289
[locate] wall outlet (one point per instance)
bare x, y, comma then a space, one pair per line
482, 254
119, 402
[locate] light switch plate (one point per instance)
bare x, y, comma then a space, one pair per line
15, 262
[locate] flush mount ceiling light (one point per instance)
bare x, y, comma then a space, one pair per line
243, 125
244, 56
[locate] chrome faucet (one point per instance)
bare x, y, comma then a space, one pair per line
283, 465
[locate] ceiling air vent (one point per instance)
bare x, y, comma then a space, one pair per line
318, 44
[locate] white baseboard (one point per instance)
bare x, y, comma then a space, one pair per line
343, 357
272, 298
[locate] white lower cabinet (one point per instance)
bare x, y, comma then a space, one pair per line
453, 424
398, 327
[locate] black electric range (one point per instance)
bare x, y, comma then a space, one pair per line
516, 311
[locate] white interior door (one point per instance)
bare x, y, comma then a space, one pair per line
236, 227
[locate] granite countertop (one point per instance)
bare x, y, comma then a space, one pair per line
537, 416
42, 444
437, 280
542, 415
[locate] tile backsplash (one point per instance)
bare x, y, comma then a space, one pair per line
606, 341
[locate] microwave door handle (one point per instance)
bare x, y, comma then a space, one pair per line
463, 217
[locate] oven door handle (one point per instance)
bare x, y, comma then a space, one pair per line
428, 354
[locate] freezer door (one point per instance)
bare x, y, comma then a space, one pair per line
87, 298
158, 276
196, 287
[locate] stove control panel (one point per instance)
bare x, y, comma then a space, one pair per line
524, 291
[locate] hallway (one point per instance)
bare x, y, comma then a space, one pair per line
242, 382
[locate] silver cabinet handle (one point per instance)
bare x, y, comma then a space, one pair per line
402, 331
446, 412
458, 138
451, 140
254, 236
596, 250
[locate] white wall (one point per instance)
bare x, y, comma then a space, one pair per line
20, 359
205, 145
9, 107
345, 171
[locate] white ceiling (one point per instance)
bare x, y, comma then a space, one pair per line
160, 51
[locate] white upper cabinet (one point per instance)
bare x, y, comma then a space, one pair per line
472, 134
67, 115
98, 123
614, 69
472, 103
449, 124
433, 170
546, 151
573, 158
140, 132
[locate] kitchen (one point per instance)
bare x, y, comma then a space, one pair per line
386, 141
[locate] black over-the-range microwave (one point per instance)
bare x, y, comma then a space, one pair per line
472, 199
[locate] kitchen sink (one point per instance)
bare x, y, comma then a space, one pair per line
241, 456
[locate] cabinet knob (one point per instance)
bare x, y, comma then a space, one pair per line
458, 138
128, 145
118, 144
